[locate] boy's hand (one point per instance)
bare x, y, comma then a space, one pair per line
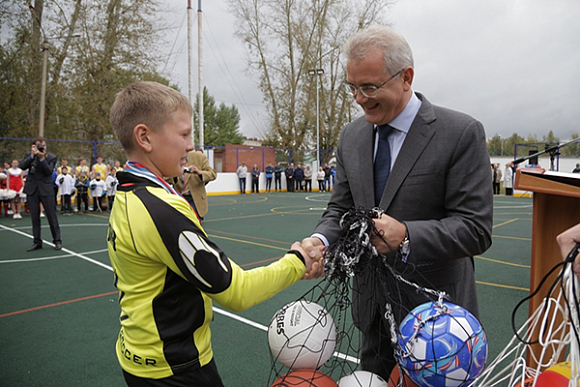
314, 264
567, 240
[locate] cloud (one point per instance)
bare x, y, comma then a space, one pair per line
512, 64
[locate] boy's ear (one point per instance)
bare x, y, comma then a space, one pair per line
142, 136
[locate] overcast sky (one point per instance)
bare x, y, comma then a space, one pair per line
512, 64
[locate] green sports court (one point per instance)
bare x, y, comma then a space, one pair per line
59, 312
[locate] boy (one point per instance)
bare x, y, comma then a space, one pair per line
82, 185
66, 184
166, 269
98, 192
111, 183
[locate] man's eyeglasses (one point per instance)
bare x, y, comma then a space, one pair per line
367, 91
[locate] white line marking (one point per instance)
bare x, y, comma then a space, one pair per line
215, 309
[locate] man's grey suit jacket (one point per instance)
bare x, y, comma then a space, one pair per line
440, 186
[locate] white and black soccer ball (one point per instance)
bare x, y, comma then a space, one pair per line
302, 334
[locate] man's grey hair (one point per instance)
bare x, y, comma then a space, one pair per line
396, 51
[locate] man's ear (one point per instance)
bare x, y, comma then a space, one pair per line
142, 137
408, 75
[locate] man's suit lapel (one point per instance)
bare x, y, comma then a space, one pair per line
417, 139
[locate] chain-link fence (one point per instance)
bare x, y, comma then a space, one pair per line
223, 159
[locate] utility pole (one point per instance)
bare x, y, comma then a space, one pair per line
317, 72
190, 62
200, 72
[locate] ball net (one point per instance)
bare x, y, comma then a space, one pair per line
354, 255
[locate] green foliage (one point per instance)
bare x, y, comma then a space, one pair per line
95, 48
220, 125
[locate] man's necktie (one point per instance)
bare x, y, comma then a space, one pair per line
382, 166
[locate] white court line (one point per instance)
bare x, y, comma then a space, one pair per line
215, 309
52, 257
63, 249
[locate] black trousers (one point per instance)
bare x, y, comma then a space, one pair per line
49, 204
206, 376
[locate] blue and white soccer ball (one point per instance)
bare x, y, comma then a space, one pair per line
442, 346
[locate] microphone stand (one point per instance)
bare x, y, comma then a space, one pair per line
553, 151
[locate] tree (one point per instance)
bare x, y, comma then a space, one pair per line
94, 49
220, 125
572, 149
285, 39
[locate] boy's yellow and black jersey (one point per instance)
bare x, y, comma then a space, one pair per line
168, 272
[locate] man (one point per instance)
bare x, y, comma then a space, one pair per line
433, 163
38, 189
200, 173
242, 173
497, 177
327, 185
577, 169
289, 172
278, 176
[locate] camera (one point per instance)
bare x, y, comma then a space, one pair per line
40, 148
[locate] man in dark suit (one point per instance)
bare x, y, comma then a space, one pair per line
38, 189
437, 198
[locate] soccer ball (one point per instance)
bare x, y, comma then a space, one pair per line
441, 346
362, 379
302, 335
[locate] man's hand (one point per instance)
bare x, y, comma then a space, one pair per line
567, 240
194, 169
312, 250
390, 230
35, 152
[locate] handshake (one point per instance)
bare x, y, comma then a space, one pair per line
312, 250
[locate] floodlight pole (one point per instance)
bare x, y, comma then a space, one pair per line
190, 62
43, 86
318, 72
200, 73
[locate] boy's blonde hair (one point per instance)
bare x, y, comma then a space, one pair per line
147, 103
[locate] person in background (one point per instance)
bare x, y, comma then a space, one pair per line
508, 182
98, 192
15, 183
111, 186
255, 179
82, 184
320, 179
38, 189
577, 169
298, 177
308, 179
278, 176
269, 174
66, 183
99, 168
289, 172
5, 194
200, 174
242, 173
497, 177
327, 186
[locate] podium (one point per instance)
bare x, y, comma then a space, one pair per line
556, 200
